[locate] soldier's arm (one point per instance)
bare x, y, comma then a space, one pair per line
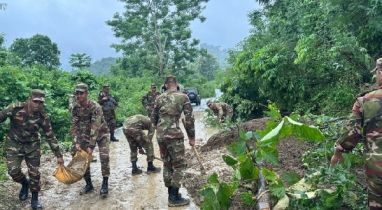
155, 113
113, 101
353, 130
95, 124
7, 112
74, 126
100, 96
144, 100
189, 118
220, 109
146, 121
50, 137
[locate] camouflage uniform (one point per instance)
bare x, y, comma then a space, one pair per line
148, 100
222, 110
366, 124
72, 101
133, 129
166, 113
23, 141
108, 108
88, 127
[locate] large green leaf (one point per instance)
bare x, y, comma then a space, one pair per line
310, 133
247, 198
229, 160
248, 135
213, 179
210, 200
237, 148
272, 135
290, 177
248, 171
242, 134
269, 154
269, 175
277, 188
224, 195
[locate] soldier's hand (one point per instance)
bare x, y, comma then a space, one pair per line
336, 157
192, 142
60, 161
78, 147
104, 98
89, 151
147, 107
141, 151
152, 125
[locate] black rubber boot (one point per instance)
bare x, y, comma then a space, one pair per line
34, 201
112, 137
88, 186
135, 170
23, 195
104, 189
175, 199
152, 169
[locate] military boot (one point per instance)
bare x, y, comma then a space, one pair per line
23, 195
175, 199
112, 137
169, 192
34, 201
104, 189
152, 169
135, 170
88, 186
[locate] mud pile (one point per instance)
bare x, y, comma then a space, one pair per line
290, 153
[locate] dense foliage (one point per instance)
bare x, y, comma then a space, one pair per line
102, 66
305, 55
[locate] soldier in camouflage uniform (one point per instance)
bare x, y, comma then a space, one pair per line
88, 128
149, 99
108, 103
221, 110
133, 129
23, 142
366, 124
165, 118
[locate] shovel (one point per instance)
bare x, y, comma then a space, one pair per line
196, 151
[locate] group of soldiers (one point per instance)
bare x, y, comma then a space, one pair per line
93, 124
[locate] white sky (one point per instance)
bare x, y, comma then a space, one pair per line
78, 26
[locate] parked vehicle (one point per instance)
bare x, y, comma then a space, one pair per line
193, 94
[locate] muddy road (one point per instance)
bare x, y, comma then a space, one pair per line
145, 191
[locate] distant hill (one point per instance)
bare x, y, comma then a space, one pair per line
102, 66
219, 54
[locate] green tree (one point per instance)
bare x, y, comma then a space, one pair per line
3, 6
208, 66
156, 34
38, 49
80, 61
102, 66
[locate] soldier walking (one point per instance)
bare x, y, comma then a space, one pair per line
133, 129
165, 118
88, 128
222, 110
23, 142
108, 103
149, 99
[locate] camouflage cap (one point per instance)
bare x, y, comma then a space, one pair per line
378, 65
38, 95
82, 87
170, 78
209, 102
153, 85
105, 85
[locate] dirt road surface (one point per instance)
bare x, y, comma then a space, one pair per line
145, 191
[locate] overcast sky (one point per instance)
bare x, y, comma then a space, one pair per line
78, 26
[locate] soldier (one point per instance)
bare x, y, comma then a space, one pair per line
23, 142
108, 103
221, 110
88, 128
365, 123
165, 118
149, 99
133, 129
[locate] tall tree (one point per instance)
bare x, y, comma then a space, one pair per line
3, 6
80, 61
38, 49
208, 66
158, 33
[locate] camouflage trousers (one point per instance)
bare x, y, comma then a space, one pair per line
136, 137
172, 153
31, 152
374, 185
149, 111
110, 120
103, 147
